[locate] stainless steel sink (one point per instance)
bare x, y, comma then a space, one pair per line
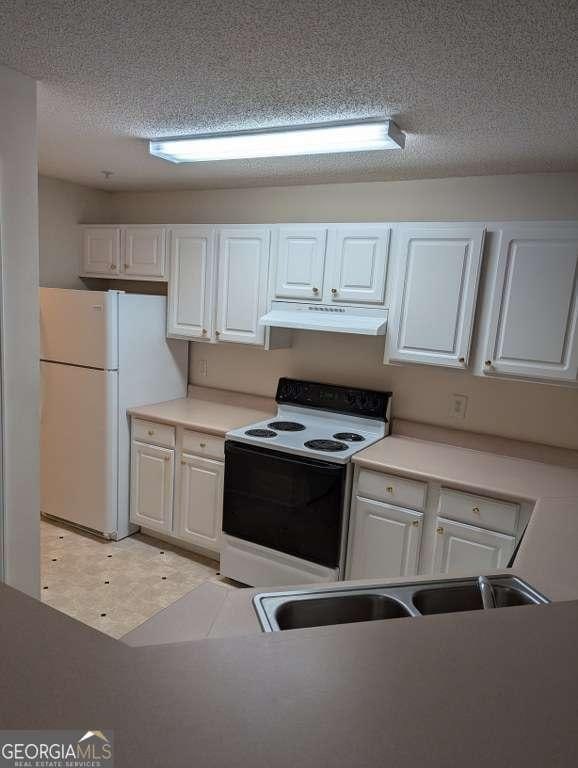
321, 607
317, 611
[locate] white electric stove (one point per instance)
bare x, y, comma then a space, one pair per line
288, 483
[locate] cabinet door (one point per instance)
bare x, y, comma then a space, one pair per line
144, 252
460, 547
151, 497
438, 270
101, 251
300, 262
532, 327
357, 259
191, 282
200, 501
243, 271
385, 540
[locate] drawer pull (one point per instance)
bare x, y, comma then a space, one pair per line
389, 489
415, 523
315, 290
439, 530
476, 510
202, 445
151, 432
112, 266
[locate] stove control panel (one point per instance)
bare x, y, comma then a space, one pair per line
365, 403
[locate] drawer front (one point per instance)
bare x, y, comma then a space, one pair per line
201, 444
402, 491
479, 510
153, 433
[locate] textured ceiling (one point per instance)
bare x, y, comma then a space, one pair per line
479, 86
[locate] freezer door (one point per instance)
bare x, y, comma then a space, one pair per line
79, 452
79, 327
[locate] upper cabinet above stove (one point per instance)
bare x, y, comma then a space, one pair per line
341, 264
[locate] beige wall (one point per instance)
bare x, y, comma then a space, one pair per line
519, 410
525, 411
19, 331
62, 206
539, 196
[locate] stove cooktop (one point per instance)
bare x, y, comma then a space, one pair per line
319, 434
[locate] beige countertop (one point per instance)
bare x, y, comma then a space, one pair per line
488, 688
484, 472
207, 410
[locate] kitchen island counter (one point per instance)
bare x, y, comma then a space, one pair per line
474, 689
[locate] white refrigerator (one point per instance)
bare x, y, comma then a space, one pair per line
101, 353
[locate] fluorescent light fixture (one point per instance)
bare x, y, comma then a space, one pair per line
361, 136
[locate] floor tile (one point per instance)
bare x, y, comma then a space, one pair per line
115, 586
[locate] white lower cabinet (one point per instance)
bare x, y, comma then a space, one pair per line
152, 483
438, 530
385, 540
200, 509
177, 483
460, 547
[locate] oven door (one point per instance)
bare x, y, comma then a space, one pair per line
288, 503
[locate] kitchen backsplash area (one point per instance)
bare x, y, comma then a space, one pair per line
524, 411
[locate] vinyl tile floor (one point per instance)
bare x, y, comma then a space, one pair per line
114, 586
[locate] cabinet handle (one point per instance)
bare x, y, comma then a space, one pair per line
476, 510
151, 432
204, 331
315, 290
439, 530
334, 291
462, 360
202, 445
488, 364
415, 523
113, 267
217, 333
126, 267
389, 489
167, 458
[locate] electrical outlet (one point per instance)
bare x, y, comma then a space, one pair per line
458, 407
203, 368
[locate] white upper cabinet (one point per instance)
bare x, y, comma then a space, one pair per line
437, 275
191, 282
531, 324
243, 268
144, 253
101, 251
300, 262
357, 263
340, 264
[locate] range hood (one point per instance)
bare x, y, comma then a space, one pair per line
323, 317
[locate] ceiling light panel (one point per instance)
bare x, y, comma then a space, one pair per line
364, 136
